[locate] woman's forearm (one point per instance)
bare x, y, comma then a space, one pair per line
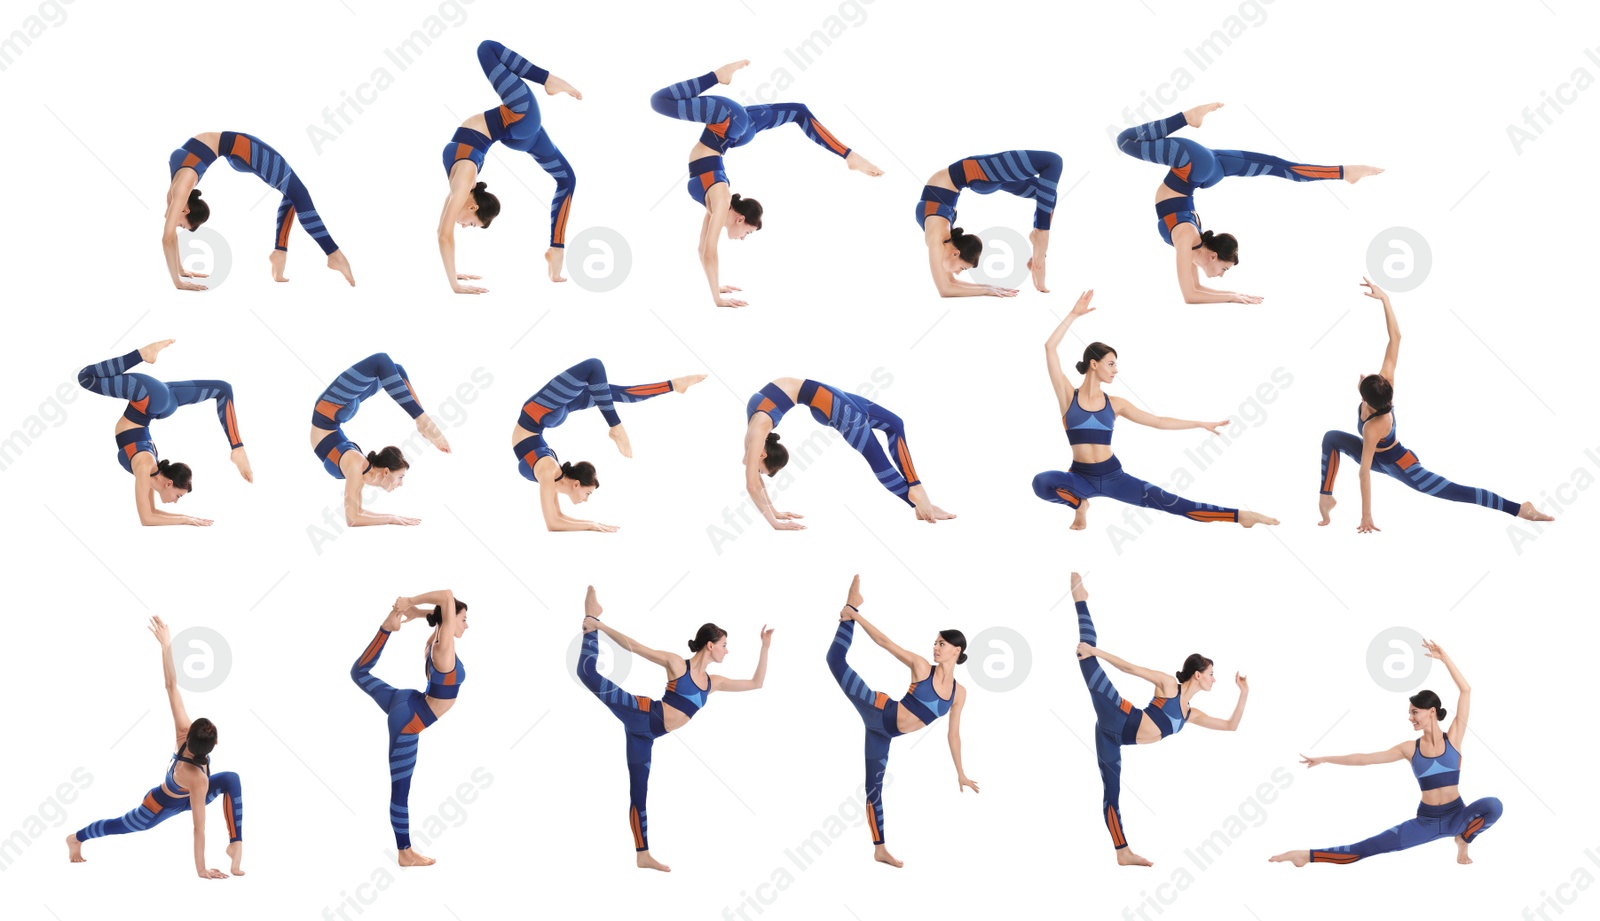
169, 250
169, 671
760, 677
1366, 491
873, 632
955, 753
1238, 712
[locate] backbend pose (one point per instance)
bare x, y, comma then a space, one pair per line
1441, 814
1193, 166
581, 386
729, 124
1095, 470
516, 124
1378, 447
1024, 173
188, 786
884, 718
150, 399
689, 686
342, 457
247, 154
1117, 723
410, 711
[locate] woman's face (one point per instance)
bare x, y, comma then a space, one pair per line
1208, 678
581, 494
943, 651
461, 623
1211, 264
167, 491
1105, 370
1419, 717
953, 263
468, 217
392, 480
738, 227
719, 650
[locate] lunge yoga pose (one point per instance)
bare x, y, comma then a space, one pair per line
1442, 813
581, 386
932, 694
516, 124
1095, 470
409, 711
1025, 174
1378, 447
729, 124
689, 687
150, 399
188, 786
1193, 166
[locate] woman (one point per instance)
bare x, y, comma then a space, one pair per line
149, 399
852, 416
1117, 723
579, 387
1193, 166
1441, 813
932, 694
729, 124
342, 458
1025, 174
689, 687
1377, 445
247, 154
188, 787
516, 124
1095, 470
410, 711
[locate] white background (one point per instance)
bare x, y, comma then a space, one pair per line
1494, 392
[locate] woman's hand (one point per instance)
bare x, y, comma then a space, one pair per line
725, 72
785, 516
766, 635
590, 624
784, 524
403, 521
213, 874
197, 522
1082, 306
1212, 426
965, 783
1366, 526
604, 528
468, 289
997, 291
1432, 650
1312, 762
1373, 291
1085, 651
188, 274
162, 633
1246, 299
730, 301
182, 285
1243, 682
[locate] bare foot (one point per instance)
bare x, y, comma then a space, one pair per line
410, 858
1079, 593
646, 862
1198, 114
1125, 856
149, 353
1527, 511
554, 84
340, 264
1354, 174
555, 257
1298, 858
236, 852
278, 259
682, 384
431, 431
725, 72
1325, 505
1040, 240
1081, 519
1461, 850
857, 162
620, 436
931, 513
75, 848
881, 854
1251, 519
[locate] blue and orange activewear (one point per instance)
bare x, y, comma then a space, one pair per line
1392, 459
580, 387
342, 399
150, 399
169, 799
854, 417
249, 154
1024, 173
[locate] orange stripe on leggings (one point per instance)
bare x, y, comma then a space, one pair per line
374, 647
227, 815
233, 426
828, 138
283, 234
650, 389
1333, 471
906, 467
1326, 857
1114, 823
1069, 498
872, 822
971, 170
1318, 172
633, 825
560, 235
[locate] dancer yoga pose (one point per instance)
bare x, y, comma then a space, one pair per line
342, 457
150, 399
410, 711
247, 154
1095, 470
1378, 446
1024, 173
581, 386
1117, 723
188, 786
885, 718
515, 123
729, 124
1193, 166
1441, 814
689, 687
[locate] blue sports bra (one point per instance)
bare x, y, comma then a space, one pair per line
172, 782
1167, 714
1091, 428
689, 700
924, 702
1394, 426
1433, 773
443, 685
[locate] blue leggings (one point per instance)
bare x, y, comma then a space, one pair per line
857, 418
149, 399
1024, 173
340, 402
408, 714
642, 720
878, 713
158, 807
1402, 465
582, 386
1106, 478
517, 124
249, 154
1432, 823
1116, 724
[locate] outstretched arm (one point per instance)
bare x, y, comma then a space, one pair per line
197, 805
1398, 753
1133, 413
908, 659
1458, 725
717, 200
1231, 724
664, 659
1160, 679
1059, 381
956, 707
755, 440
754, 682
169, 674
183, 182
1391, 354
462, 179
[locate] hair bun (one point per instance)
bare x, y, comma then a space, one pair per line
480, 186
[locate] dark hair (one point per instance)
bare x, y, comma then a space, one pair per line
1378, 393
180, 474
777, 454
389, 458
202, 738
956, 638
708, 633
1096, 351
199, 211
1223, 244
967, 244
748, 208
582, 472
1195, 664
488, 205
438, 613
1427, 700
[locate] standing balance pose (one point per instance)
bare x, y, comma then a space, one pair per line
689, 686
1024, 173
342, 457
729, 124
247, 154
516, 124
150, 399
1441, 813
581, 386
1117, 723
884, 718
188, 786
410, 711
1378, 444
1095, 470
1193, 166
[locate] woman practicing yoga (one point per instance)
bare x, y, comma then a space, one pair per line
581, 386
516, 124
855, 418
1193, 166
1117, 723
150, 399
1095, 470
188, 786
1024, 173
342, 457
1441, 813
729, 124
1378, 447
410, 711
689, 686
247, 154
933, 693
